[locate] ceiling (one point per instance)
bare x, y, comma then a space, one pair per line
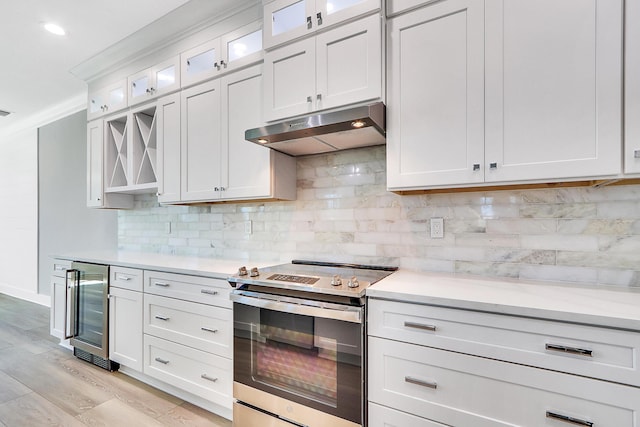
36, 65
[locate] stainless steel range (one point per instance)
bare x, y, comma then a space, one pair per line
299, 344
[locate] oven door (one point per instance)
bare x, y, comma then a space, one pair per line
306, 352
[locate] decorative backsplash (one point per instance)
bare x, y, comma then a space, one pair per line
344, 213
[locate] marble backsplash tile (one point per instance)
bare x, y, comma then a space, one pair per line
343, 212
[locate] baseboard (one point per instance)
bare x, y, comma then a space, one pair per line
24, 295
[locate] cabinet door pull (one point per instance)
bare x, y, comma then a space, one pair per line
162, 317
208, 292
124, 278
569, 420
207, 377
309, 23
309, 99
164, 362
428, 384
319, 16
161, 284
431, 328
213, 331
569, 350
493, 166
476, 166
636, 154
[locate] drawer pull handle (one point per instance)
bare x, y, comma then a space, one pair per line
164, 285
570, 350
213, 331
208, 292
207, 377
125, 278
59, 268
431, 328
164, 362
423, 383
569, 420
162, 318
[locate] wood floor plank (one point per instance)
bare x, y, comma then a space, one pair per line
114, 412
35, 411
10, 388
192, 416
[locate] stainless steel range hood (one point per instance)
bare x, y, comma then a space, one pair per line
323, 133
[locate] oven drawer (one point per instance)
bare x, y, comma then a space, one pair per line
462, 390
381, 416
203, 290
244, 416
592, 351
200, 373
199, 326
126, 278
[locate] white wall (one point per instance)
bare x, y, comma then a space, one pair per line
19, 215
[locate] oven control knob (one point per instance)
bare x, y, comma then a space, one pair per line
242, 271
353, 282
336, 281
254, 272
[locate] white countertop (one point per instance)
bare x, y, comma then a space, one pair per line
208, 267
606, 306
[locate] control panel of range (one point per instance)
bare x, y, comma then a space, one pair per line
336, 280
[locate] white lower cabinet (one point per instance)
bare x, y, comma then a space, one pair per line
435, 365
200, 373
58, 320
125, 317
188, 334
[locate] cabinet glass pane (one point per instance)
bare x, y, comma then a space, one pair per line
95, 104
139, 87
166, 77
334, 6
116, 96
288, 18
202, 62
245, 45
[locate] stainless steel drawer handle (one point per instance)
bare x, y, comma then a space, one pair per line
162, 284
569, 420
125, 278
162, 317
207, 377
423, 383
569, 350
164, 362
208, 292
59, 268
213, 331
424, 327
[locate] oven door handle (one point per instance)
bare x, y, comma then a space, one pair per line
345, 313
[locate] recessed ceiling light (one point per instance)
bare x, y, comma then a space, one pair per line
54, 29
4, 113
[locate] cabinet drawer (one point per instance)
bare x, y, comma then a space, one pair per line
199, 326
204, 290
462, 390
381, 416
591, 351
59, 267
126, 278
202, 374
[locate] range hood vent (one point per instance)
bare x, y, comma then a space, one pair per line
324, 133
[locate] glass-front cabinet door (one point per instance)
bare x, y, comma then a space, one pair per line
286, 20
201, 63
158, 80
108, 99
243, 46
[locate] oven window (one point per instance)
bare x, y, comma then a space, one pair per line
310, 360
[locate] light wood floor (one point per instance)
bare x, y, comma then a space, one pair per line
43, 384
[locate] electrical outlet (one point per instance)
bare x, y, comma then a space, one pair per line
248, 227
437, 228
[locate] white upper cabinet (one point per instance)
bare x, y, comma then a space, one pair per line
632, 88
512, 92
338, 67
200, 142
158, 80
553, 89
168, 161
435, 119
286, 20
250, 171
107, 100
232, 51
